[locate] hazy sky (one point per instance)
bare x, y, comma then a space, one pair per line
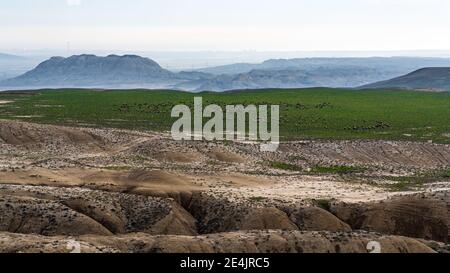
225, 24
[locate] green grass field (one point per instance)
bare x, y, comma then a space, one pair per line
318, 113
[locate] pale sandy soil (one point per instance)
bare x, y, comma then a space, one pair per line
237, 186
151, 163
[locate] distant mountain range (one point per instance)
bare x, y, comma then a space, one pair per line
131, 71
13, 65
345, 76
393, 65
429, 79
4, 56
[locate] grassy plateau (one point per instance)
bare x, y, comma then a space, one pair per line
317, 113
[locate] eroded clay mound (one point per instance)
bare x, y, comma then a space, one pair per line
75, 211
317, 219
218, 214
22, 133
236, 242
393, 155
167, 150
215, 214
39, 216
189, 152
418, 216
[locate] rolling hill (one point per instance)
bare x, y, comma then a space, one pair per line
431, 79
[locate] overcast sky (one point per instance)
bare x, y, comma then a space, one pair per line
225, 25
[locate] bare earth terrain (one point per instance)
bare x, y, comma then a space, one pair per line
128, 191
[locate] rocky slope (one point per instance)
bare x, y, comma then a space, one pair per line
75, 211
424, 216
106, 222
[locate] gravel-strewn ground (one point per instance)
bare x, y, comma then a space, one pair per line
106, 182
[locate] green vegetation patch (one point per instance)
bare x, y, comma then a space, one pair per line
322, 203
447, 174
408, 183
258, 199
285, 166
316, 113
337, 169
